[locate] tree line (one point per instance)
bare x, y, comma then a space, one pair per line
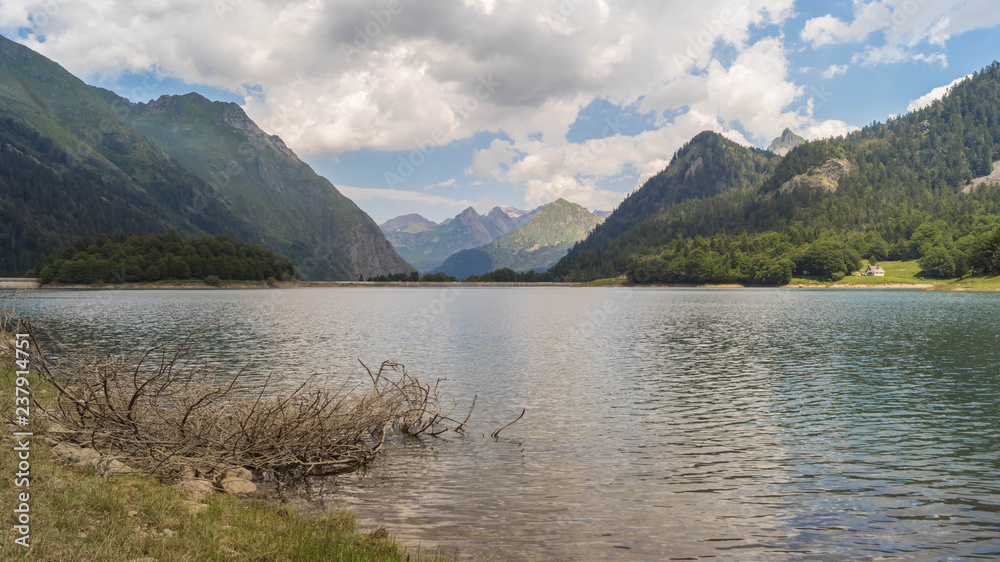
130, 258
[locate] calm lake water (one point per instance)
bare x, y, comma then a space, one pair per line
661, 423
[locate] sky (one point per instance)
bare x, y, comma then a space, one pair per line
432, 107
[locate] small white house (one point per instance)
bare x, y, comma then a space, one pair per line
874, 271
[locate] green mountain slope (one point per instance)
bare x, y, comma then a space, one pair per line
296, 211
884, 182
149, 182
46, 202
537, 245
704, 168
56, 105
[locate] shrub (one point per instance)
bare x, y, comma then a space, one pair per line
938, 262
837, 275
825, 257
213, 281
152, 273
47, 274
774, 272
163, 412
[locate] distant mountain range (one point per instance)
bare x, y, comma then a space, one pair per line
78, 160
425, 244
536, 245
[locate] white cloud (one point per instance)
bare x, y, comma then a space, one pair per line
835, 70
934, 95
333, 77
828, 129
828, 30
495, 160
446, 183
912, 30
369, 193
544, 191
754, 91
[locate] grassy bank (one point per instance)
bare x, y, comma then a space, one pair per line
902, 273
76, 515
897, 274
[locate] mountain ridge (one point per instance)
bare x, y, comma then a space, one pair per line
427, 248
535, 245
876, 187
262, 195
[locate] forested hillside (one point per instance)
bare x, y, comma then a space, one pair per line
77, 160
906, 184
129, 259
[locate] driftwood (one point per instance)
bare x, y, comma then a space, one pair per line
496, 433
161, 411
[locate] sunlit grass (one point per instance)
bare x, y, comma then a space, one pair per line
76, 515
609, 282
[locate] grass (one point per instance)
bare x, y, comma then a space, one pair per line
896, 273
76, 515
609, 282
908, 273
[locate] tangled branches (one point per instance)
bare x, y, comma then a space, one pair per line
162, 412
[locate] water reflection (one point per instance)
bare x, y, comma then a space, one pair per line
744, 424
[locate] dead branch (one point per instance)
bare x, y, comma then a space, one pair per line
496, 433
162, 411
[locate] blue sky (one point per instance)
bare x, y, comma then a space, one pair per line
433, 107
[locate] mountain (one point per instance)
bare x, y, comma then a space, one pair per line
787, 141
707, 166
536, 245
298, 212
893, 190
426, 246
405, 221
180, 162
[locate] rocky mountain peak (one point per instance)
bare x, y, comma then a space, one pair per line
787, 141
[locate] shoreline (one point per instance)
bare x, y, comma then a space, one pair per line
156, 517
460, 284
967, 284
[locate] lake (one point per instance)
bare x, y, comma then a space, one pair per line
785, 424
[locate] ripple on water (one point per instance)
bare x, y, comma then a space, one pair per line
732, 424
